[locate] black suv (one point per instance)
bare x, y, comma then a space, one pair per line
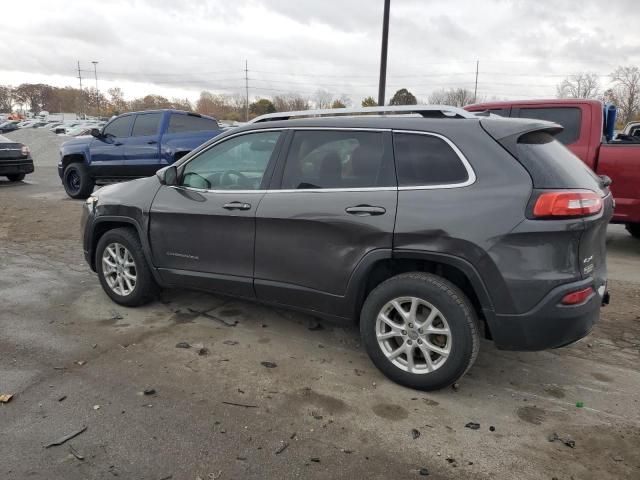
422, 228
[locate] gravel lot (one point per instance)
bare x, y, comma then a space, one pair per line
73, 359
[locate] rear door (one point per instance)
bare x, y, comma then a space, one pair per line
107, 153
333, 202
202, 231
621, 162
142, 149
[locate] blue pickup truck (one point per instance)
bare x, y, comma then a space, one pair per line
130, 146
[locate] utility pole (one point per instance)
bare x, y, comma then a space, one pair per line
95, 72
246, 87
383, 54
475, 91
81, 95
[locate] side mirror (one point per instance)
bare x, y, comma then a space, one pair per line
168, 175
95, 132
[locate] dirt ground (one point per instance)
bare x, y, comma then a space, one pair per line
74, 359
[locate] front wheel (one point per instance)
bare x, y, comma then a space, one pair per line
77, 181
16, 177
634, 229
420, 330
123, 270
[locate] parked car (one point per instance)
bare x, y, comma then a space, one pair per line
130, 146
584, 132
9, 126
421, 229
15, 160
632, 129
79, 131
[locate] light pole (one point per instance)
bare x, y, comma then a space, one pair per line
95, 72
383, 54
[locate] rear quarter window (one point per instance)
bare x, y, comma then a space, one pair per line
190, 123
569, 117
427, 160
552, 165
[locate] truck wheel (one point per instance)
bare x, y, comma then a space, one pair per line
634, 229
123, 270
76, 180
420, 330
16, 177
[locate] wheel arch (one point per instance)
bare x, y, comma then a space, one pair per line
73, 158
106, 223
376, 268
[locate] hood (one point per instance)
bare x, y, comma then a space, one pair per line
77, 141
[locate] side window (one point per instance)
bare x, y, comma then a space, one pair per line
424, 160
337, 159
120, 127
568, 117
179, 123
146, 124
235, 164
503, 112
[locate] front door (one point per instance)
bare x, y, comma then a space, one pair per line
335, 204
142, 149
107, 152
202, 231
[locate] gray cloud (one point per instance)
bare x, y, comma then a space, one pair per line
181, 47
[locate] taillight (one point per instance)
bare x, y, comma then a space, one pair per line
25, 150
579, 296
567, 203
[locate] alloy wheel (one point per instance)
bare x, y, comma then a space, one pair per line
119, 269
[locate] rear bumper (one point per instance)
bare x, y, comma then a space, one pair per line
549, 324
13, 167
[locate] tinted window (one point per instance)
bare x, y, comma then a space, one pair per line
426, 160
146, 124
235, 164
334, 159
503, 112
120, 127
552, 165
568, 117
190, 123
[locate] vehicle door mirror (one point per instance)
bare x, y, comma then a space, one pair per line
95, 132
168, 175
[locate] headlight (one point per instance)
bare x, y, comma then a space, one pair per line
91, 202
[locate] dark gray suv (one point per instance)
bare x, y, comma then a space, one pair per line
423, 226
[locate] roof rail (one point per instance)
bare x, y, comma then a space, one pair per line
433, 111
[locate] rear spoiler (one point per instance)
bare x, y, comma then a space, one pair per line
507, 131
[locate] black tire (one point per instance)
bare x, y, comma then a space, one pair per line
76, 181
16, 177
145, 288
633, 229
456, 309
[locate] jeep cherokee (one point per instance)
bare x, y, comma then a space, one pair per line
424, 227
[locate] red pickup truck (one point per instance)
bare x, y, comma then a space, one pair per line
584, 135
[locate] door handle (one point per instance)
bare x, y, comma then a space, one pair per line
364, 210
152, 142
237, 206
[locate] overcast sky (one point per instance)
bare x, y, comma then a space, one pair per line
180, 47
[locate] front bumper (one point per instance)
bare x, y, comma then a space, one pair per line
86, 227
16, 166
550, 324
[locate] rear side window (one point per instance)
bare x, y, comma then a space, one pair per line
568, 117
552, 165
424, 160
146, 124
338, 159
120, 127
190, 123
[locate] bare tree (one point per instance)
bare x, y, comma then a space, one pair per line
626, 91
582, 85
290, 102
323, 99
457, 97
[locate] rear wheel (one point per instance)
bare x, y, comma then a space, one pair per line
77, 181
420, 330
16, 177
123, 270
634, 229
